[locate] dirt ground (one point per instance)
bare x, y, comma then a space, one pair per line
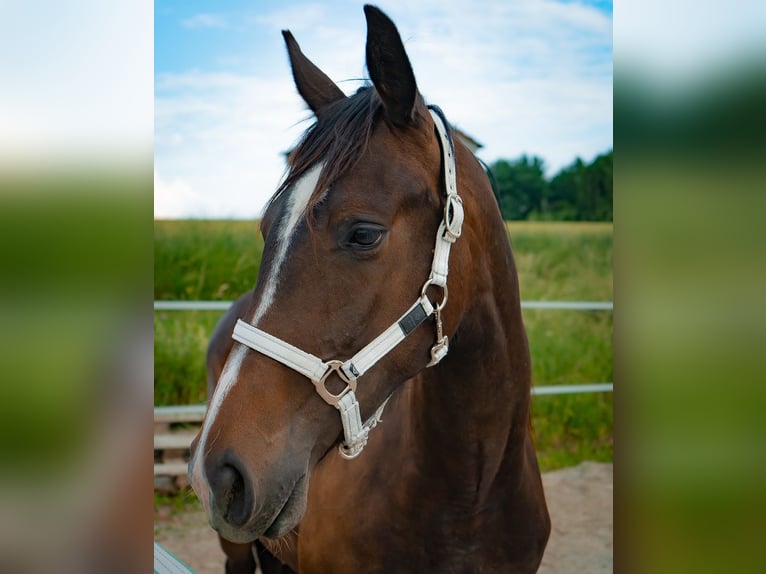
579, 501
580, 504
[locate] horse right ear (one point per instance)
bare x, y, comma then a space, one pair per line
317, 90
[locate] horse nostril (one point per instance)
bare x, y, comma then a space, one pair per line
234, 486
232, 492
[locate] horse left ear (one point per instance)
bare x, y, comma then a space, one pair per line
390, 68
317, 90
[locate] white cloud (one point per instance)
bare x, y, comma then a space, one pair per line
532, 77
223, 135
205, 21
175, 199
521, 77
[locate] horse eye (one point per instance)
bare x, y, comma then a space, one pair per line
365, 237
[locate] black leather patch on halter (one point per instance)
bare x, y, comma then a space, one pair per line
411, 320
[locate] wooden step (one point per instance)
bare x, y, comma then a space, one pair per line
180, 414
175, 468
174, 440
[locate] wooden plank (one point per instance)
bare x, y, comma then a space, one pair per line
180, 440
171, 469
179, 414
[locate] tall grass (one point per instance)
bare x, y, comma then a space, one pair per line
568, 262
556, 261
180, 341
198, 259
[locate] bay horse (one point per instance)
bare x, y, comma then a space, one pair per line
384, 244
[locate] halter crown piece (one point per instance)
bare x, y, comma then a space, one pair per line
317, 371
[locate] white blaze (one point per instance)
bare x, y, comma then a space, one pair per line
294, 210
296, 207
225, 383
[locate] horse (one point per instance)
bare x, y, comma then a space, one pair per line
384, 243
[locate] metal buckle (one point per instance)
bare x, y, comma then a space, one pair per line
321, 387
439, 351
453, 217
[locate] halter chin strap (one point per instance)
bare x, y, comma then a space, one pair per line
318, 371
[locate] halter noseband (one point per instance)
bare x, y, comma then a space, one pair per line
318, 371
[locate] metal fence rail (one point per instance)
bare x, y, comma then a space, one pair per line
549, 305
223, 305
171, 444
569, 305
573, 389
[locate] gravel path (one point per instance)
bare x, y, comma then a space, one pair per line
579, 501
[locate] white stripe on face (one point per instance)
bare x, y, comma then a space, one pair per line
225, 383
295, 208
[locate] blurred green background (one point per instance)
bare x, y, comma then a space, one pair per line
75, 366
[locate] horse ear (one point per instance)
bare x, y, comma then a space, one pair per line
390, 68
313, 85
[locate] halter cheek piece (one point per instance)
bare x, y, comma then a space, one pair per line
315, 369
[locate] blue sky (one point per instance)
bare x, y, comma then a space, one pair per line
524, 76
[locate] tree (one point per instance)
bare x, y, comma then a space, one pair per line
597, 189
578, 192
521, 186
564, 192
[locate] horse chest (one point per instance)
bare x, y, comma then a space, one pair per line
366, 517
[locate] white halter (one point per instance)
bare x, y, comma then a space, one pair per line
318, 371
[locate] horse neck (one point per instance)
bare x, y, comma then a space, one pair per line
474, 406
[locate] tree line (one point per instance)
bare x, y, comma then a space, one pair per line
578, 192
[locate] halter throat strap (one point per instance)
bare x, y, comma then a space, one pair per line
318, 371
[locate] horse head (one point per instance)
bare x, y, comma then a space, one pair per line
346, 306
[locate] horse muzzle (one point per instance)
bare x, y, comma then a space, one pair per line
240, 512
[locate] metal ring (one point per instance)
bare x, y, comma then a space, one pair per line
443, 302
348, 453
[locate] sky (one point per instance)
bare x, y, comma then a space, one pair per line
521, 77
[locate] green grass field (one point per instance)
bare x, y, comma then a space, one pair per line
218, 260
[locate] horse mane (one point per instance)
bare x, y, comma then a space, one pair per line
338, 138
